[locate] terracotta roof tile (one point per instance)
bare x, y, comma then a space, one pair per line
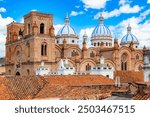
130, 76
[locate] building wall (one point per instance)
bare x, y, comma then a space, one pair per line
25, 50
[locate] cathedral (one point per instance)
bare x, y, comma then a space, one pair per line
34, 41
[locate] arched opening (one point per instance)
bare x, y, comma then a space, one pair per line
140, 68
44, 49
73, 54
137, 57
28, 71
124, 59
10, 36
98, 44
106, 44
92, 55
28, 50
9, 72
17, 74
88, 67
42, 28
29, 28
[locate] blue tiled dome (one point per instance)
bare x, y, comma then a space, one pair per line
66, 29
101, 29
129, 37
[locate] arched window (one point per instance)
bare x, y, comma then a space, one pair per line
42, 28
10, 36
28, 50
88, 67
98, 44
29, 28
28, 71
92, 55
106, 44
73, 54
94, 44
124, 59
140, 67
9, 54
44, 49
9, 72
137, 57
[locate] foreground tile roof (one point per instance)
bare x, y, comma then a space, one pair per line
130, 76
52, 86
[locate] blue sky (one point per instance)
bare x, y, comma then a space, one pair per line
83, 15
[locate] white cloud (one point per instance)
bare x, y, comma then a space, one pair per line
138, 29
57, 28
74, 13
125, 9
148, 1
77, 7
3, 23
2, 10
33, 10
123, 2
128, 9
94, 4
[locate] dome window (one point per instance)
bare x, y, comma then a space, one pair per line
73, 41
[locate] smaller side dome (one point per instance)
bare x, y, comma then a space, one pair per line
129, 37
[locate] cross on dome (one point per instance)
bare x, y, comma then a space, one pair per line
67, 20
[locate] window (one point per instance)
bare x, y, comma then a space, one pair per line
106, 44
98, 44
72, 41
10, 36
29, 28
28, 71
107, 76
28, 50
57, 41
137, 57
94, 44
44, 49
88, 67
92, 54
140, 67
42, 28
124, 62
73, 54
9, 72
149, 77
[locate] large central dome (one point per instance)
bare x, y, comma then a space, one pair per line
101, 35
101, 29
67, 33
66, 29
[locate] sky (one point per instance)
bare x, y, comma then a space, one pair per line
84, 16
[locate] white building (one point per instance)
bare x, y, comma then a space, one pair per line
42, 70
147, 66
103, 69
64, 68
